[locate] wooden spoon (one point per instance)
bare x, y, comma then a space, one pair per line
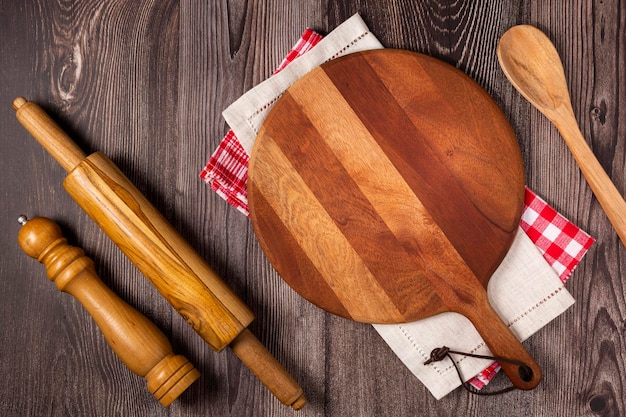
532, 64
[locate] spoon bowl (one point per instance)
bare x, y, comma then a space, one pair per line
533, 66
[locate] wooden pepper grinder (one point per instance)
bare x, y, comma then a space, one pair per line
138, 342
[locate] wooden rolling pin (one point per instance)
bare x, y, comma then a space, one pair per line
138, 342
159, 252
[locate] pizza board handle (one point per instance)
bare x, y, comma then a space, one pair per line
504, 344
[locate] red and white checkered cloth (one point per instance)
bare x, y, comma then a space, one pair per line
227, 169
561, 242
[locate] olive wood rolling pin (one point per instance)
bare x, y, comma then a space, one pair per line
159, 252
138, 342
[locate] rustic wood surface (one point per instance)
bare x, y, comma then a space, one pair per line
145, 82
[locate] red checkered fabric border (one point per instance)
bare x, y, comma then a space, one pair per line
307, 41
481, 380
560, 241
227, 169
227, 172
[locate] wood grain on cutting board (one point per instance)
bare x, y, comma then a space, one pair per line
378, 177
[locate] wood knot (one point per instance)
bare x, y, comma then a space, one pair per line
598, 113
70, 73
598, 404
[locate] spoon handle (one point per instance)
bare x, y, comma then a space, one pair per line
608, 195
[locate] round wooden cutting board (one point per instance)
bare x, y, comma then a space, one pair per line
378, 177
387, 186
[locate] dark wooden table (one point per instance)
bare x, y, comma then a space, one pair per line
145, 82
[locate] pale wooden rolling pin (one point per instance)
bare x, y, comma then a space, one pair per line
159, 252
138, 342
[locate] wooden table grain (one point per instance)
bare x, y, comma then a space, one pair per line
145, 82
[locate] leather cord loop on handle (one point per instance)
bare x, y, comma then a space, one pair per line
439, 354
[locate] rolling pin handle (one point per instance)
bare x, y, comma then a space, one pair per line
138, 342
48, 133
269, 371
18, 102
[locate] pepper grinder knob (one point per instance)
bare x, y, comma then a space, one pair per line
136, 340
